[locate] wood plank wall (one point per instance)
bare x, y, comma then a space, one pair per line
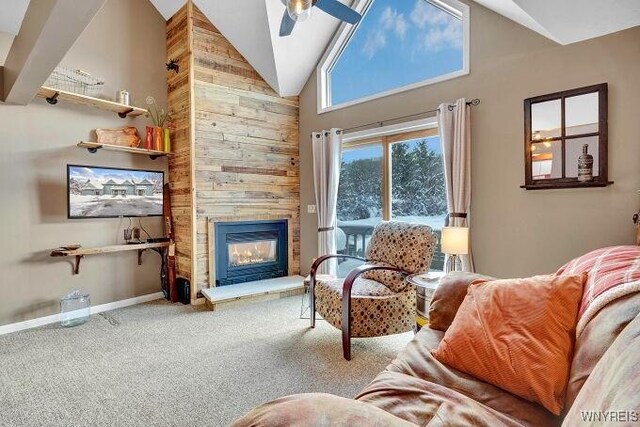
245, 158
180, 99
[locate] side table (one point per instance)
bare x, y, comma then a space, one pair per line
426, 284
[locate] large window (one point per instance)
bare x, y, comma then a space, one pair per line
398, 45
397, 177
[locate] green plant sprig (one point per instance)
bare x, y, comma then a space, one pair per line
158, 115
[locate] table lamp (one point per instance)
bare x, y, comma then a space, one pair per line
455, 242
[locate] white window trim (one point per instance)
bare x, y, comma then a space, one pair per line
422, 124
345, 32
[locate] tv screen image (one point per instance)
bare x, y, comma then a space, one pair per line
98, 192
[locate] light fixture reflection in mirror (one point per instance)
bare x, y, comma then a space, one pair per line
545, 160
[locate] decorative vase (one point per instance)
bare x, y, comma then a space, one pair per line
148, 142
167, 141
585, 165
157, 139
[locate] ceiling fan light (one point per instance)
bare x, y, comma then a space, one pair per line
299, 10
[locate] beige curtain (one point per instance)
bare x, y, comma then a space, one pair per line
327, 151
454, 124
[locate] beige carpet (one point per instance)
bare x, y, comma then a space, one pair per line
159, 364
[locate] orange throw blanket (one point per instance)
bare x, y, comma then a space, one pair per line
613, 272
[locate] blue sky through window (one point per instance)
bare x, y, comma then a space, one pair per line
397, 43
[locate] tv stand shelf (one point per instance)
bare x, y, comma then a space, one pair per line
80, 253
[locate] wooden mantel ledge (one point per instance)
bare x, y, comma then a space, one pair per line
81, 252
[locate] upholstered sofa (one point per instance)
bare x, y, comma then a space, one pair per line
416, 389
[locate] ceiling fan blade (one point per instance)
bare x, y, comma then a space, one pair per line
339, 10
287, 24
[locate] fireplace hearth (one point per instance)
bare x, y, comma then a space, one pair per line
246, 251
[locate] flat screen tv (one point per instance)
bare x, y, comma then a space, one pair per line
98, 192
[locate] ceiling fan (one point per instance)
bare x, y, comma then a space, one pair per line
300, 10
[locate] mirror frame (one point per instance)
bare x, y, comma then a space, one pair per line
602, 180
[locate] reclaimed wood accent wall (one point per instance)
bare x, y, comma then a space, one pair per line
244, 158
180, 99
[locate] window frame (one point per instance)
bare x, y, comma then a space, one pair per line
344, 34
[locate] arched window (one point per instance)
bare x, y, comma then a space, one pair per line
397, 46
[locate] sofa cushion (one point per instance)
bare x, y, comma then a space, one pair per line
394, 280
375, 310
361, 287
448, 296
517, 334
612, 388
318, 409
420, 389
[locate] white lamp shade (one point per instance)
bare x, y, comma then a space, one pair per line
455, 240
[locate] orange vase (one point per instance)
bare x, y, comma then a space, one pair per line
158, 139
148, 142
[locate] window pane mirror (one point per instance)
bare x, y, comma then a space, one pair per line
566, 139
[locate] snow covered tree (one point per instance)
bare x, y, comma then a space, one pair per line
417, 180
75, 186
360, 190
156, 179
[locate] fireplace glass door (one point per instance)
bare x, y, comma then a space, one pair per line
249, 253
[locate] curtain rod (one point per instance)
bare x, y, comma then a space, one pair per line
473, 102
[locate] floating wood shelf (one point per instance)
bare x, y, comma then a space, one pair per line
54, 95
93, 147
82, 252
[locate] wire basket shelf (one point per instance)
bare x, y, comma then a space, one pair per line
76, 81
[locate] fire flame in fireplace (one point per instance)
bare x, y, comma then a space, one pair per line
252, 253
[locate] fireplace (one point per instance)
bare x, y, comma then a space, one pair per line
250, 250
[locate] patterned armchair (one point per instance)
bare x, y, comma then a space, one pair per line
374, 299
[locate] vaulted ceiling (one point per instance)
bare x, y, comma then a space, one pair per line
252, 27
287, 62
570, 21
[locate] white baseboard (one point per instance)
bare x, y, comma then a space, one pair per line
46, 320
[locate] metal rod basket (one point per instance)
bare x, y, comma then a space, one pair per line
74, 80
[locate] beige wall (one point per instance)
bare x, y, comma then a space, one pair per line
124, 45
517, 232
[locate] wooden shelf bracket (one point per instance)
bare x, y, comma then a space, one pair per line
161, 248
76, 265
124, 114
53, 99
94, 150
